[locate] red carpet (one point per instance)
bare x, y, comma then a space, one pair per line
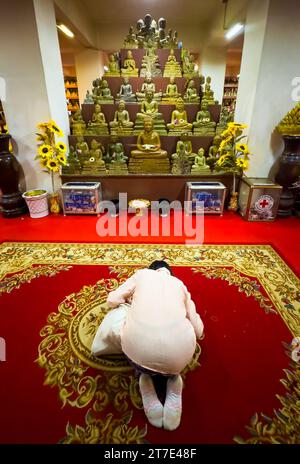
242, 357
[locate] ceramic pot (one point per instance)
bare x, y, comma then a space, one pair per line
37, 202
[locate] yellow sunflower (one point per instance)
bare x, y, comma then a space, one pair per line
222, 159
43, 163
61, 147
62, 159
225, 142
242, 147
53, 127
45, 151
42, 125
242, 163
228, 133
53, 165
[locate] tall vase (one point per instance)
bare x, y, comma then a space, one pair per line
289, 173
13, 205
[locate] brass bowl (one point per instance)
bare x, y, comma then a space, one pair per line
139, 205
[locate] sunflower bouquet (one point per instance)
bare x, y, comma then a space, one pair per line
233, 153
51, 153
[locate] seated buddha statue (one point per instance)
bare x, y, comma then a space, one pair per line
82, 149
179, 122
98, 124
113, 67
215, 147
129, 68
121, 122
200, 165
130, 40
172, 67
149, 157
117, 158
106, 96
149, 108
126, 92
148, 84
204, 124
189, 66
191, 94
187, 144
73, 165
95, 163
96, 91
180, 160
208, 94
77, 124
114, 146
88, 98
171, 95
225, 118
150, 64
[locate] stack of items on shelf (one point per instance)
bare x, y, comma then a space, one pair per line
72, 94
150, 90
230, 92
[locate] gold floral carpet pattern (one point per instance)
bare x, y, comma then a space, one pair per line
106, 388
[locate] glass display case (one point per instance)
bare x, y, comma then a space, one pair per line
204, 197
81, 197
258, 199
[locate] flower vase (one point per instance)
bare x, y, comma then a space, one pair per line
233, 203
288, 174
54, 201
12, 203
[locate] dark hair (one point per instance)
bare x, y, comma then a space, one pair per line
157, 264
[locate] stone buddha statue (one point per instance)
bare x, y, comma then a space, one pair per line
191, 94
126, 92
180, 160
149, 108
113, 67
172, 67
214, 149
117, 159
179, 122
94, 164
149, 157
200, 165
189, 66
208, 95
150, 64
148, 84
121, 122
174, 43
77, 123
88, 98
225, 118
186, 142
82, 150
130, 40
73, 164
98, 124
114, 146
96, 91
171, 95
129, 68
106, 96
204, 124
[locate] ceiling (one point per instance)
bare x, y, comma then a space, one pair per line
199, 23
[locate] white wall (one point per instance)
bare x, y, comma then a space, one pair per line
213, 64
89, 65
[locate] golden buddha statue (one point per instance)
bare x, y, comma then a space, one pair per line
189, 66
130, 40
82, 150
95, 163
200, 166
149, 157
171, 95
215, 147
181, 163
179, 122
98, 124
126, 92
172, 67
208, 94
105, 93
121, 122
191, 94
129, 66
113, 67
77, 124
204, 124
186, 142
149, 108
148, 84
150, 64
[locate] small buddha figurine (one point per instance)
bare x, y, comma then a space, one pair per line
200, 165
191, 94
215, 147
129, 68
225, 118
189, 66
82, 149
208, 95
113, 67
77, 124
148, 84
96, 91
204, 124
185, 141
126, 93
95, 163
106, 96
150, 64
97, 150
114, 146
149, 157
171, 94
179, 122
98, 124
73, 164
174, 43
131, 40
88, 98
172, 67
149, 107
121, 120
181, 163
